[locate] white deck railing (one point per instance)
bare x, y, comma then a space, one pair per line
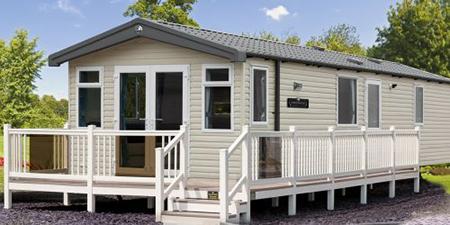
275, 157
89, 155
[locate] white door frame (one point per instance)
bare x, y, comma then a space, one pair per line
150, 79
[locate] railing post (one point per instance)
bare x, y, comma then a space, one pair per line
90, 169
392, 182
246, 170
292, 200
363, 190
330, 193
159, 184
7, 198
223, 191
365, 149
183, 159
331, 161
417, 179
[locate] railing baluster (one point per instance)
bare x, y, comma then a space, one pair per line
104, 156
97, 148
111, 155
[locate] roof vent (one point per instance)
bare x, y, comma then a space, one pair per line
355, 60
378, 61
318, 48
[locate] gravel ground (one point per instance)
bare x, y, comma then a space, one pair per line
431, 206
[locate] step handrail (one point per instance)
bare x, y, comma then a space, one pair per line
224, 195
160, 153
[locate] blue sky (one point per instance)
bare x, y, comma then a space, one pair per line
61, 23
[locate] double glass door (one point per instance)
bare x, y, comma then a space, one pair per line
150, 98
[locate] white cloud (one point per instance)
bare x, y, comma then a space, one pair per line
68, 7
61, 5
276, 13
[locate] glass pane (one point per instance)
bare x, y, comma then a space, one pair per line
373, 106
89, 107
132, 117
347, 101
269, 157
259, 96
217, 108
217, 75
169, 101
419, 105
89, 77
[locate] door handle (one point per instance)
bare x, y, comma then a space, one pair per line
159, 119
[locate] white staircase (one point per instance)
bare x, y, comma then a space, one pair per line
200, 211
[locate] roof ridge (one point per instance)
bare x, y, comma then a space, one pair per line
228, 33
261, 39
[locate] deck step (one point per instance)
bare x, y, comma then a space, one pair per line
203, 205
191, 218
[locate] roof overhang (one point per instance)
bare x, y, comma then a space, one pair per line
147, 29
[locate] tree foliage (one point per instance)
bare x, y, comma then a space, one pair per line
47, 112
418, 35
20, 65
290, 38
175, 11
340, 38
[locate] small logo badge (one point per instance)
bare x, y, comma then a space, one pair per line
139, 29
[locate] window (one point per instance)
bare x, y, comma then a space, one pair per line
373, 99
259, 85
217, 108
89, 97
347, 101
419, 105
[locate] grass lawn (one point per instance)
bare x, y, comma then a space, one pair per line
443, 181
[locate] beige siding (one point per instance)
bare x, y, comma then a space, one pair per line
320, 87
205, 146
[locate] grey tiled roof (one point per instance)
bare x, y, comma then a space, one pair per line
287, 52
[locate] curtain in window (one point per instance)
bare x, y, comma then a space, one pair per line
259, 96
347, 100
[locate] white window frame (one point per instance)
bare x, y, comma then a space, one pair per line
337, 100
253, 68
423, 104
229, 83
379, 83
79, 85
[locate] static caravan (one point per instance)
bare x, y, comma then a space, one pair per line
201, 122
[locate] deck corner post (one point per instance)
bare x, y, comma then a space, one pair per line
417, 184
247, 171
275, 202
90, 169
159, 184
66, 199
292, 208
311, 197
223, 189
330, 199
7, 194
392, 189
150, 202
363, 194
184, 146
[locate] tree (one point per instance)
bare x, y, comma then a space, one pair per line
47, 112
175, 11
20, 65
340, 38
290, 38
417, 35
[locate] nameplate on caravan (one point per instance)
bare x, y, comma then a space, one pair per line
298, 103
213, 195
